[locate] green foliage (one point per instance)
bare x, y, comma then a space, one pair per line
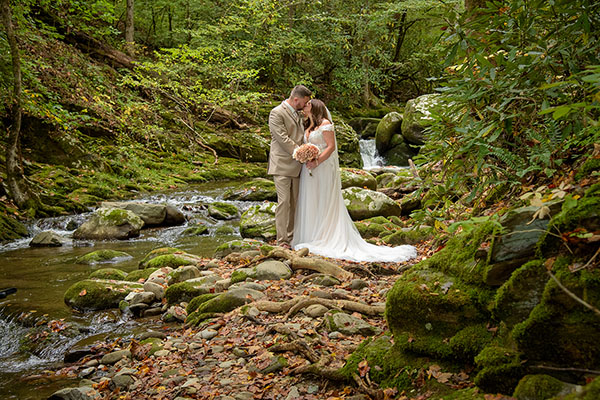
525, 90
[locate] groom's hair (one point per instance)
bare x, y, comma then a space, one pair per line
300, 91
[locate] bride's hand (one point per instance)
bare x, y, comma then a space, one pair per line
312, 164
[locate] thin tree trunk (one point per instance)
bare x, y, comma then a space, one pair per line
401, 35
14, 171
129, 28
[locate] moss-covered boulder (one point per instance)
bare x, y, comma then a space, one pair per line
182, 274
10, 228
365, 203
151, 214
103, 256
336, 321
418, 115
395, 179
400, 152
259, 189
389, 126
499, 369
223, 211
238, 246
357, 178
265, 271
258, 222
375, 227
91, 294
223, 303
196, 230
244, 145
169, 257
109, 273
348, 146
110, 223
47, 239
413, 235
140, 275
539, 387
365, 127
186, 291
591, 391
158, 252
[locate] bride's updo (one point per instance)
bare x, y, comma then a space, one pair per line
318, 112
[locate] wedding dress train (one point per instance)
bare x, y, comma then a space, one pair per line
323, 224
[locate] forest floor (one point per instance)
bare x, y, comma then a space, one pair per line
256, 354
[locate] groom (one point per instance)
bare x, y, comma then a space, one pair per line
287, 131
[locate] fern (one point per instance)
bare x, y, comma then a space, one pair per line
510, 159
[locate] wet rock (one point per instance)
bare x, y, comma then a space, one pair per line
115, 356
258, 222
175, 313
122, 382
364, 126
208, 334
156, 289
222, 303
140, 298
110, 223
174, 216
357, 178
389, 126
315, 310
93, 294
47, 239
256, 190
102, 256
418, 115
358, 284
182, 274
109, 273
74, 355
325, 280
235, 246
223, 211
151, 214
196, 230
535, 387
271, 270
348, 145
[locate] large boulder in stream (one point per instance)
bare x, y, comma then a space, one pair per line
365, 203
419, 114
348, 146
388, 127
98, 294
259, 189
352, 177
151, 214
110, 223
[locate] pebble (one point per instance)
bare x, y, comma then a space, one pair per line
243, 396
335, 335
226, 364
86, 372
112, 358
358, 284
181, 346
293, 394
195, 346
162, 353
91, 363
312, 389
208, 334
217, 349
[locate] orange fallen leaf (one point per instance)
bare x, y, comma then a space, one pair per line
83, 292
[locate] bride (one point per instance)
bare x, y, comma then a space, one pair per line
323, 224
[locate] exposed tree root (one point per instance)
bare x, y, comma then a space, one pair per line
320, 369
298, 346
293, 306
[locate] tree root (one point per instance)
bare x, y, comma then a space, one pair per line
319, 369
293, 306
298, 346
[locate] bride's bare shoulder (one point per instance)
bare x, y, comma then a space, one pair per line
325, 122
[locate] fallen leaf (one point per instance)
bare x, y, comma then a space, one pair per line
83, 292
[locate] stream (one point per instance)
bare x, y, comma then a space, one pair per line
42, 275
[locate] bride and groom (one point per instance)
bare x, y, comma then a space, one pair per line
311, 212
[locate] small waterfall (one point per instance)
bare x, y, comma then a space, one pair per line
369, 154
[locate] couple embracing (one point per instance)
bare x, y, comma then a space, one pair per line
311, 212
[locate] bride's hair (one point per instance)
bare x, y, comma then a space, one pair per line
318, 113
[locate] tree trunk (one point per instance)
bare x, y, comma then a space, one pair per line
129, 28
14, 171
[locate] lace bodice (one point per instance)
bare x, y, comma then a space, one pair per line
316, 136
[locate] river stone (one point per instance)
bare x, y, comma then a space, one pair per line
109, 273
271, 270
196, 230
96, 294
122, 382
174, 216
115, 356
250, 285
151, 214
258, 222
394, 179
100, 256
158, 290
349, 325
357, 178
110, 223
228, 301
175, 313
365, 203
259, 189
78, 393
223, 211
140, 298
235, 246
160, 276
315, 310
400, 152
47, 239
389, 125
358, 284
182, 274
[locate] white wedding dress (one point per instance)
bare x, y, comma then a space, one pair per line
323, 224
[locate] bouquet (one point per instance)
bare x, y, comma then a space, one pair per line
305, 153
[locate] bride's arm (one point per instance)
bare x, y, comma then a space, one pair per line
329, 137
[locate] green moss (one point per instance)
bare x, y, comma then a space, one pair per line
101, 256
533, 387
221, 210
237, 246
167, 260
109, 273
225, 230
196, 230
239, 275
157, 252
469, 342
254, 190
184, 292
412, 236
156, 343
97, 295
198, 300
10, 228
139, 274
589, 166
427, 345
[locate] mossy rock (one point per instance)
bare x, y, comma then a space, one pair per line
173, 260
196, 230
158, 252
357, 178
541, 387
375, 227
590, 166
156, 345
365, 203
516, 298
139, 274
400, 152
10, 228
225, 230
591, 391
90, 295
574, 330
255, 190
365, 127
185, 291
470, 341
223, 211
110, 223
409, 236
102, 256
109, 273
388, 126
394, 179
348, 146
500, 369
418, 115
430, 302
240, 275
223, 303
198, 300
258, 222
237, 246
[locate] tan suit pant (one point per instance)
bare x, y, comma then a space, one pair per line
287, 196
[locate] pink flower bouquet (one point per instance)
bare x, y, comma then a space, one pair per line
305, 153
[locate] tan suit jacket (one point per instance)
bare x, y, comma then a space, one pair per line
287, 131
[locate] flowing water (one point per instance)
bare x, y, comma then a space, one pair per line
42, 275
369, 154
